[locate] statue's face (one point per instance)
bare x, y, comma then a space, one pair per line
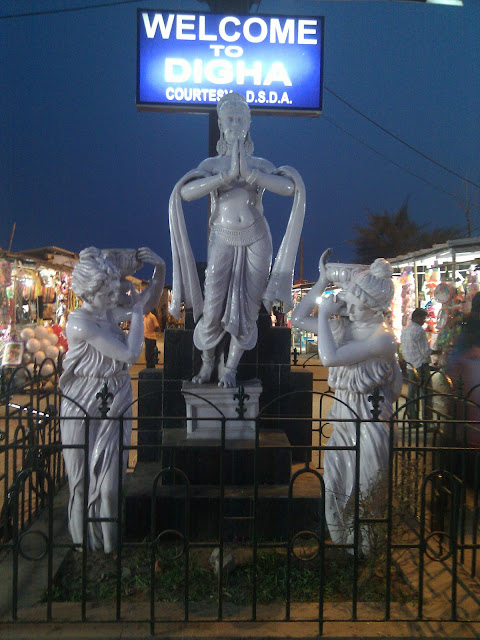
355, 309
107, 296
234, 122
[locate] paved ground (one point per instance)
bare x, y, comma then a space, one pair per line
240, 630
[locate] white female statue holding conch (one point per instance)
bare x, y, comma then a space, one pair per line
238, 277
360, 350
100, 352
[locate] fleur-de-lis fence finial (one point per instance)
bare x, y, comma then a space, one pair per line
104, 395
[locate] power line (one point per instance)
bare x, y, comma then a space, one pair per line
430, 184
85, 7
400, 140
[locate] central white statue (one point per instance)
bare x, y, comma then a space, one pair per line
238, 277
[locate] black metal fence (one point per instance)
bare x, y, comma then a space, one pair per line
253, 547
31, 460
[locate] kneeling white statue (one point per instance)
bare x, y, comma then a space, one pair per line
238, 276
360, 350
100, 352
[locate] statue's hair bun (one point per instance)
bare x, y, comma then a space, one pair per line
381, 268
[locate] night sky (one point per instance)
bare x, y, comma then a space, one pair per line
80, 166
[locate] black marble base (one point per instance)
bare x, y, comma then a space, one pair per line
204, 463
161, 404
197, 513
150, 411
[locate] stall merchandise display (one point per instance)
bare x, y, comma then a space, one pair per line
32, 354
34, 299
43, 346
407, 281
471, 285
456, 301
304, 341
431, 304
395, 316
13, 354
6, 298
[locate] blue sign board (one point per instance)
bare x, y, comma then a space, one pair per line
187, 61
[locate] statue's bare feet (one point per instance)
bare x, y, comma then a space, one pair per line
228, 378
205, 373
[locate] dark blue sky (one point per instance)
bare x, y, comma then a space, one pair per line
79, 165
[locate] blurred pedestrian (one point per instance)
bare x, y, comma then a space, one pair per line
151, 328
469, 335
463, 367
416, 352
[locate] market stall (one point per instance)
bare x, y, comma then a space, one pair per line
304, 341
443, 280
35, 297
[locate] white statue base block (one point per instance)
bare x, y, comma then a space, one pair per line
204, 420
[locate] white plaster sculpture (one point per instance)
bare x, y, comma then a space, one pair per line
238, 274
360, 350
100, 352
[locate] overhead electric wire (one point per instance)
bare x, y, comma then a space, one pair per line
399, 139
430, 184
43, 12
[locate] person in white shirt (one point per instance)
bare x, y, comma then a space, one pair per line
416, 352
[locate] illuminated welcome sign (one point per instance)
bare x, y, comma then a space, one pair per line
187, 61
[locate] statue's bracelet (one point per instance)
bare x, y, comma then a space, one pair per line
252, 178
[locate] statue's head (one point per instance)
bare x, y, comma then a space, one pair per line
92, 273
373, 285
233, 122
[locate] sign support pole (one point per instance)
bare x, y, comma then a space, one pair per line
222, 6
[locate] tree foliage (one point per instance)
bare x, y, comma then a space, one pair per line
388, 235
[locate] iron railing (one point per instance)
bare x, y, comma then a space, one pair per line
169, 522
30, 445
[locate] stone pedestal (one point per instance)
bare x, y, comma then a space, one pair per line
268, 361
207, 404
209, 487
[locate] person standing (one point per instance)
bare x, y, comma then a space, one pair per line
150, 328
416, 352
